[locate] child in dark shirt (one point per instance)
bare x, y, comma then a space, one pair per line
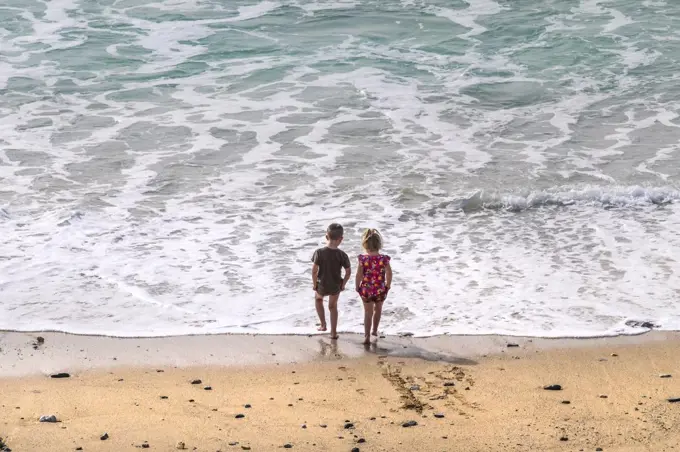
327, 276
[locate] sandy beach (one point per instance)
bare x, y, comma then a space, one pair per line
267, 393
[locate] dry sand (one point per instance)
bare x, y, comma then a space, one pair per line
487, 403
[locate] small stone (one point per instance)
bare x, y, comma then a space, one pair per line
552, 388
196, 382
208, 388
180, 445
564, 438
372, 419
512, 345
191, 400
603, 396
349, 425
40, 339
355, 449
361, 440
164, 397
233, 443
614, 355
240, 416
566, 402
61, 375
323, 425
438, 415
247, 405
287, 446
48, 418
304, 425
674, 399
121, 379
245, 447
145, 445
415, 388
160, 370
79, 448
409, 424
599, 449
665, 376
449, 383
104, 437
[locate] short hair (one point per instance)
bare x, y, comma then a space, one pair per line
371, 240
335, 231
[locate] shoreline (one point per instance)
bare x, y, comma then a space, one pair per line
21, 355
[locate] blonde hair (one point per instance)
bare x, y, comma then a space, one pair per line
371, 240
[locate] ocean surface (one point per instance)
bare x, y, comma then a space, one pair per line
170, 167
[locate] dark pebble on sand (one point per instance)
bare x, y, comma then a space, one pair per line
51, 418
409, 424
665, 376
513, 345
287, 446
160, 371
121, 379
566, 402
240, 416
552, 388
439, 415
304, 425
290, 404
564, 438
79, 448
349, 425
603, 396
191, 400
449, 383
104, 437
233, 443
145, 446
674, 399
361, 440
247, 405
208, 388
599, 449
196, 382
323, 425
40, 339
61, 375
372, 419
164, 397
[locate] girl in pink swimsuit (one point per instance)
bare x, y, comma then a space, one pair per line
373, 281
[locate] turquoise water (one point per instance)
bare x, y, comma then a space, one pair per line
169, 167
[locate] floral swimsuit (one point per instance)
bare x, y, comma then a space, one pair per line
372, 287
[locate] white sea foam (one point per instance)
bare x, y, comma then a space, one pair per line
514, 199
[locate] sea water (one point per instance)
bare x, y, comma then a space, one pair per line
170, 167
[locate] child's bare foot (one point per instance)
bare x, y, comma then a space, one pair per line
374, 333
321, 328
334, 336
367, 340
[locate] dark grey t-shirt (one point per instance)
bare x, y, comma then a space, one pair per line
331, 261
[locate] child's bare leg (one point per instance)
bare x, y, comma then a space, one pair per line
333, 308
318, 300
368, 318
377, 313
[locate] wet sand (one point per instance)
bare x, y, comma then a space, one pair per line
465, 393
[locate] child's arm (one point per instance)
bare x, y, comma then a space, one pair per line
388, 276
348, 274
315, 275
359, 278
